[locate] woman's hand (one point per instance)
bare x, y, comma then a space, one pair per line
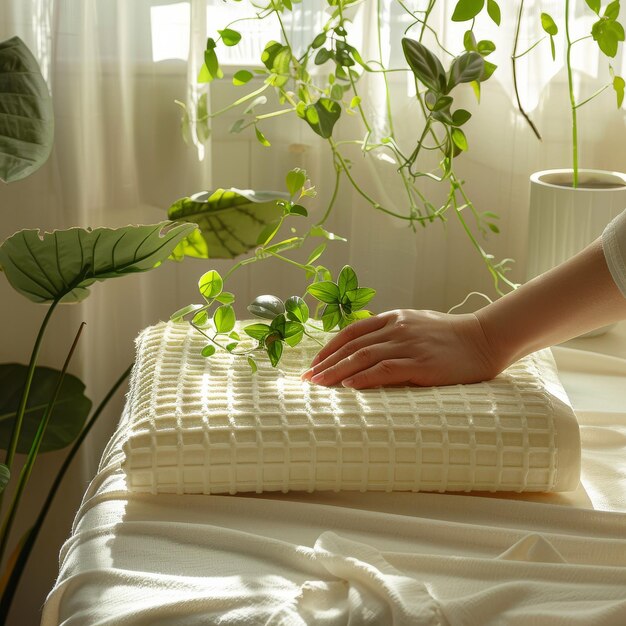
407, 347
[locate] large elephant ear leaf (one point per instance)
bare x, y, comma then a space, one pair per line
230, 221
68, 416
26, 116
61, 265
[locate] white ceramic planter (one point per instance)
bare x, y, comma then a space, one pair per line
563, 220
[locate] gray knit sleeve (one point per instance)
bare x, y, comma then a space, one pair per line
614, 247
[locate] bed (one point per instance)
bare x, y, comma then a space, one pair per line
362, 558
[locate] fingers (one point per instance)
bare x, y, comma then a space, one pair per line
349, 333
383, 373
362, 343
362, 359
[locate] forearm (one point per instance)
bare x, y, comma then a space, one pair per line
571, 299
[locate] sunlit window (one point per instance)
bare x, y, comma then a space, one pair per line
170, 31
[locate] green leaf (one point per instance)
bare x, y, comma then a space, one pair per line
226, 297
319, 40
295, 181
212, 65
261, 137
488, 70
493, 10
469, 41
322, 56
548, 24
200, 319
360, 297
231, 346
186, 310
485, 47
467, 10
229, 220
552, 48
425, 65
436, 102
257, 331
268, 232
493, 228
612, 10
608, 34
459, 139
279, 325
224, 318
297, 309
460, 117
318, 231
266, 307
316, 254
322, 116
325, 291
465, 68
242, 77
210, 284
354, 103
594, 5
274, 351
26, 115
208, 350
5, 476
618, 86
253, 365
331, 316
347, 280
298, 209
358, 315
203, 130
68, 417
230, 37
61, 265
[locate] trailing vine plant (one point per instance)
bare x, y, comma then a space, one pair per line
339, 302
606, 31
319, 101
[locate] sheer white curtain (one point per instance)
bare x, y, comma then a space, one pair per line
115, 68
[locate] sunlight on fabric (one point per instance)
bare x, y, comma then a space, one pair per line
170, 31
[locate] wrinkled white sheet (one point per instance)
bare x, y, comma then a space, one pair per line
363, 558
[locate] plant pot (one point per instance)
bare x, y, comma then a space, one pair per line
563, 219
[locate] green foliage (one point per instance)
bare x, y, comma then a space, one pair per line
61, 265
26, 116
286, 322
318, 82
68, 418
229, 221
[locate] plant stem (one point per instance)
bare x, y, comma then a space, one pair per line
514, 58
17, 426
241, 100
570, 85
34, 449
597, 93
329, 208
33, 533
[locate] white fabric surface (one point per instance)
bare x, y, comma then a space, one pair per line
362, 558
614, 247
199, 425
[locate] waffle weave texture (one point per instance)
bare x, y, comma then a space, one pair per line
200, 425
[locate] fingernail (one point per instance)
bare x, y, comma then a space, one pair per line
306, 375
318, 378
348, 382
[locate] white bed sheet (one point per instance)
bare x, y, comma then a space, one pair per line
363, 558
